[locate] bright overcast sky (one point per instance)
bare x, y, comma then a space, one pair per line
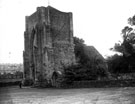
98, 22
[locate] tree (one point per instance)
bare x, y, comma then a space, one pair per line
89, 59
79, 53
127, 46
117, 64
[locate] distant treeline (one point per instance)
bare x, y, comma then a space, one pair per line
10, 68
15, 75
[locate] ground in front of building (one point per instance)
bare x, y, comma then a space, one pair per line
27, 95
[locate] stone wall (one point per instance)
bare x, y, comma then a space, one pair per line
48, 43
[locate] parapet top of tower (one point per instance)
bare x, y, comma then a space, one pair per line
47, 15
42, 8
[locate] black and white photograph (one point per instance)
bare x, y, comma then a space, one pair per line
67, 52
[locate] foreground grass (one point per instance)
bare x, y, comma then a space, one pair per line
27, 95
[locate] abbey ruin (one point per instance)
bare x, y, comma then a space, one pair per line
48, 43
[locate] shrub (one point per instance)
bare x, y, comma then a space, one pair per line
28, 82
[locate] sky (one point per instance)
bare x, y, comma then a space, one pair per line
97, 22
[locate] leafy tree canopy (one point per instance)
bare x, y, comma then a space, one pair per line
126, 62
127, 46
90, 60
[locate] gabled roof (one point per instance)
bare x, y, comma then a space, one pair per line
92, 53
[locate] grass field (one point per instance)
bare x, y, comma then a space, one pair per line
27, 95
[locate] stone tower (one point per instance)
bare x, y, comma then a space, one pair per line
48, 42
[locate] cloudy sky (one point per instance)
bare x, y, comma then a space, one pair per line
98, 22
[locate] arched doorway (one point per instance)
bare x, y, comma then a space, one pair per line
54, 79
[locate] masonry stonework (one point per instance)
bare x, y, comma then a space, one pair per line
48, 43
